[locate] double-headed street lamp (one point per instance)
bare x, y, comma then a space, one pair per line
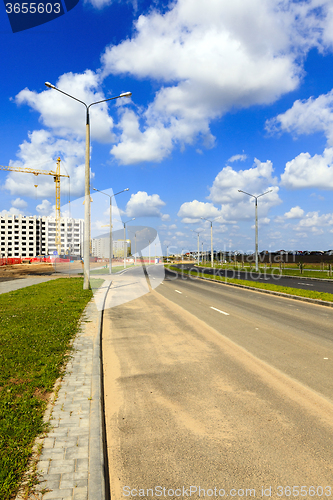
211, 238
111, 196
197, 232
256, 217
86, 253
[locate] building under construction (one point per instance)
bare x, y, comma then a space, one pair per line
31, 236
101, 248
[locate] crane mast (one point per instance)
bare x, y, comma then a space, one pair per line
56, 177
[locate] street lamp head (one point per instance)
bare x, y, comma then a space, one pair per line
127, 189
95, 189
126, 94
48, 84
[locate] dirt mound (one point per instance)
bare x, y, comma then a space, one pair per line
22, 270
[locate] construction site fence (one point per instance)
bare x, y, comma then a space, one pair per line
10, 261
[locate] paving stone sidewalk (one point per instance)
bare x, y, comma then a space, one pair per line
71, 464
16, 284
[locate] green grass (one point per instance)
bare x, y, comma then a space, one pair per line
95, 283
36, 324
309, 271
105, 270
264, 286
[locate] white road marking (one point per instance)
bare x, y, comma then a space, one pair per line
325, 358
218, 310
178, 291
306, 284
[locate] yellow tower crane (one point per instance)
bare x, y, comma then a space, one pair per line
56, 177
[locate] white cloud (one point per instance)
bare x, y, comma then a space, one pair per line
18, 203
314, 220
237, 158
188, 220
45, 208
40, 153
99, 4
236, 206
275, 235
135, 146
306, 117
204, 62
294, 213
143, 205
256, 180
192, 211
305, 171
317, 196
67, 116
11, 211
208, 62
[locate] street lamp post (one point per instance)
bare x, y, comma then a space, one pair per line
211, 239
197, 232
125, 246
256, 220
134, 245
110, 196
86, 253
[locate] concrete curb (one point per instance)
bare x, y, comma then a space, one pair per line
97, 478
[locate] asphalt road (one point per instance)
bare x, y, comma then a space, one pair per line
220, 388
304, 283
290, 335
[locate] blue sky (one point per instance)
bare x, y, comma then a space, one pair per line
225, 96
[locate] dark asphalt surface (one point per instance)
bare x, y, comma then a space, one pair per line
303, 283
292, 336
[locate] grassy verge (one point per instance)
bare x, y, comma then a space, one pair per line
105, 270
264, 286
95, 283
310, 271
36, 324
